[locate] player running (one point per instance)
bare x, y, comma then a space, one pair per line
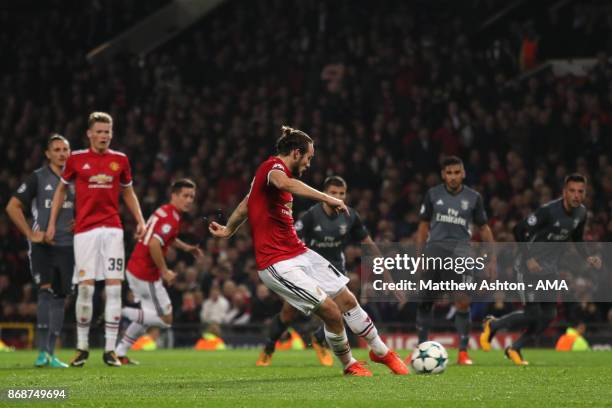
446, 214
303, 278
100, 175
561, 220
51, 267
147, 267
328, 233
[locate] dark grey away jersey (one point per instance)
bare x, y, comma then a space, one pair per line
450, 215
329, 235
550, 223
36, 193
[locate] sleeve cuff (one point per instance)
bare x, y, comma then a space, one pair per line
126, 184
64, 181
268, 177
160, 239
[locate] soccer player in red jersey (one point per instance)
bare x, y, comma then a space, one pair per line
100, 175
147, 267
302, 277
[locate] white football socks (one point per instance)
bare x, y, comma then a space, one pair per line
361, 324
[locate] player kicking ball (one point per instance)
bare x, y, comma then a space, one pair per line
329, 233
303, 278
147, 267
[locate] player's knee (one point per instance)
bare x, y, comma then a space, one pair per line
88, 282
330, 313
113, 282
346, 300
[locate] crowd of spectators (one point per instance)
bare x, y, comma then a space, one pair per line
385, 90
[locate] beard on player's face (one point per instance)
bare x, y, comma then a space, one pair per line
574, 196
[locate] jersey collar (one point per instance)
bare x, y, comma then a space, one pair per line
450, 192
92, 151
51, 171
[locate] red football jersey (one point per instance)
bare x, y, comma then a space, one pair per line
98, 178
271, 218
163, 225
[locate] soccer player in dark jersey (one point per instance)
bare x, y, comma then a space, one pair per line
327, 233
303, 278
446, 214
52, 266
561, 220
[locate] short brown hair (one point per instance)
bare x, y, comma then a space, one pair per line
576, 178
54, 137
335, 181
292, 139
180, 184
101, 117
450, 161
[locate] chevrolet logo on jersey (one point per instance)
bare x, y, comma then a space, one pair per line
100, 181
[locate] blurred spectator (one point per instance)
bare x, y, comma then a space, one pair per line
215, 307
239, 311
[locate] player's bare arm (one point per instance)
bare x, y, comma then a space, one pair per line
421, 236
194, 250
280, 180
15, 211
157, 254
130, 199
234, 222
58, 199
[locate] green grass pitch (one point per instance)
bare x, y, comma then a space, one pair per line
186, 378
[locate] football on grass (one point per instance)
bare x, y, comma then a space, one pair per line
430, 357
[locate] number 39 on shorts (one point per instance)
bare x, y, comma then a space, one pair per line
115, 264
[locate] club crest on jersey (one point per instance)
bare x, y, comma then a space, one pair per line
342, 229
532, 220
114, 166
465, 204
166, 228
576, 222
